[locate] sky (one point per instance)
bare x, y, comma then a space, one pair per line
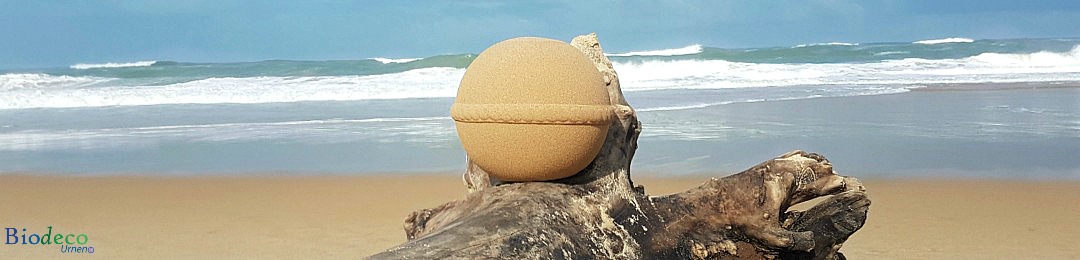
39, 34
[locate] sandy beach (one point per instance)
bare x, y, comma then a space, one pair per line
312, 130
131, 217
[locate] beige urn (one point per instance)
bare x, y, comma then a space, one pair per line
532, 109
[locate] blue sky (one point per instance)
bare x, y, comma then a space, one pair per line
60, 33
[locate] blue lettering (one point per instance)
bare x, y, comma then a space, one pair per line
11, 232
76, 249
34, 239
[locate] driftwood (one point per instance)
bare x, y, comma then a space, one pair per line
600, 214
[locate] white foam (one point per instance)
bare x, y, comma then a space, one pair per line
826, 44
692, 49
438, 130
890, 53
38, 81
295, 123
1038, 59
418, 83
390, 60
47, 91
719, 74
82, 66
680, 107
945, 40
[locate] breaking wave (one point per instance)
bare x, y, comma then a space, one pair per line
389, 60
826, 44
418, 83
692, 49
894, 67
945, 40
720, 74
83, 66
40, 81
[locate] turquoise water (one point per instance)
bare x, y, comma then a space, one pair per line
171, 72
703, 109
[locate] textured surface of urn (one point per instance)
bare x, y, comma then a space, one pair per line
532, 109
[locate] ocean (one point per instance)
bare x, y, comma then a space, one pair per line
952, 108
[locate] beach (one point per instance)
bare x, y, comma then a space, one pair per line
313, 130
966, 147
335, 217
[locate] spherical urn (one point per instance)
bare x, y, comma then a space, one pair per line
532, 109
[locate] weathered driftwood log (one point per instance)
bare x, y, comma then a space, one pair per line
600, 214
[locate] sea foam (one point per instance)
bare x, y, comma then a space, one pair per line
40, 81
309, 131
83, 66
692, 49
28, 90
945, 40
1039, 59
826, 44
390, 60
418, 83
720, 74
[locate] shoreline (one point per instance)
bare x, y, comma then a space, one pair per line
355, 216
936, 87
1017, 130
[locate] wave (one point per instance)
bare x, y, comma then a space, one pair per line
83, 66
418, 83
28, 90
720, 74
39, 81
945, 40
299, 122
334, 130
786, 96
692, 49
884, 53
826, 44
389, 60
1040, 59
681, 107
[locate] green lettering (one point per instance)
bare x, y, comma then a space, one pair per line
46, 239
66, 241
82, 239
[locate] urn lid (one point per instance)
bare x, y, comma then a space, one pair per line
532, 80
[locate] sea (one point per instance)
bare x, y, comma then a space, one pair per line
940, 108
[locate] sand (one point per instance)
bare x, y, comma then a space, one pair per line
126, 217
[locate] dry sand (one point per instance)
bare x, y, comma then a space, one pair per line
350, 217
